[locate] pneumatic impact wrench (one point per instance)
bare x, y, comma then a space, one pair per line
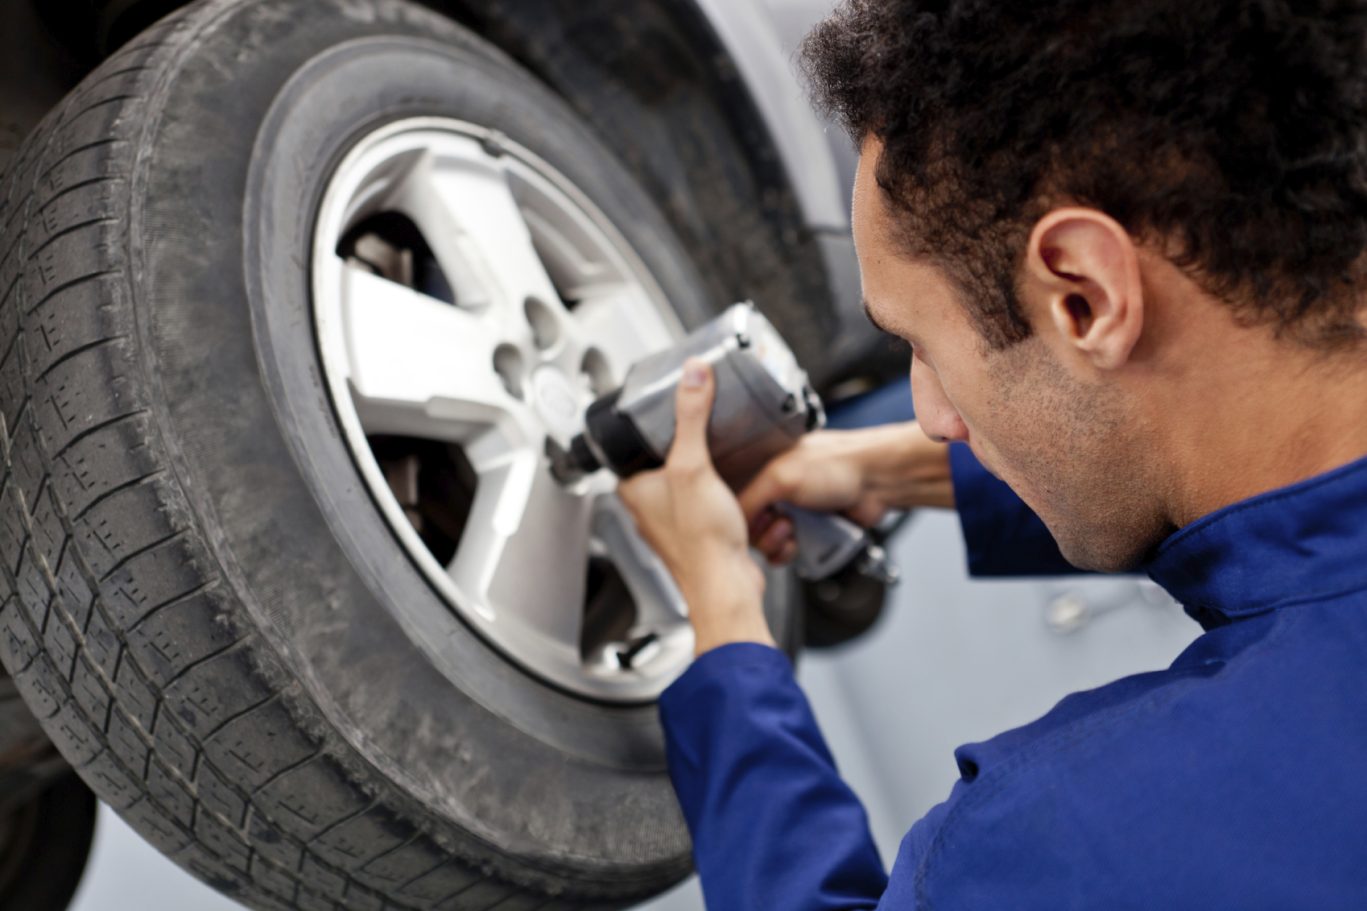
764, 404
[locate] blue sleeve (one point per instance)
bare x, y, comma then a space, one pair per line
773, 824
1003, 536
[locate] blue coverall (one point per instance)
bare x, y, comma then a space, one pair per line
1235, 779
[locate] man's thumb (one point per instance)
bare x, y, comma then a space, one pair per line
692, 409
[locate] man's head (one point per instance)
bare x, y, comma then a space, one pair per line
1082, 212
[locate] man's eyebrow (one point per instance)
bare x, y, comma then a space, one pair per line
877, 325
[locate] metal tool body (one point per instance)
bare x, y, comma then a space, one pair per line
764, 404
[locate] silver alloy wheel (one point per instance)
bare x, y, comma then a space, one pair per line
536, 304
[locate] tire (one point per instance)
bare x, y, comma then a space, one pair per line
840, 610
202, 604
848, 605
44, 846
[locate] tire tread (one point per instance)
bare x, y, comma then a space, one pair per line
105, 576
103, 707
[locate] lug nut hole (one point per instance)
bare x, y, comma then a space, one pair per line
544, 322
595, 366
509, 366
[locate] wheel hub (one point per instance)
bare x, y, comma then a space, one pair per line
469, 303
557, 402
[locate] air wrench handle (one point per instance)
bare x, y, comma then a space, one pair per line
828, 543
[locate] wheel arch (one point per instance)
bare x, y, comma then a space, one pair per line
690, 93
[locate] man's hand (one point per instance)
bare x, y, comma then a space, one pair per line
691, 518
860, 473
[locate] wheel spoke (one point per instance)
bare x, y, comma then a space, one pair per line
461, 199
622, 324
418, 366
528, 563
658, 602
544, 304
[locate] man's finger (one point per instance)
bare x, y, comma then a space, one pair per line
761, 522
764, 491
776, 536
692, 408
867, 513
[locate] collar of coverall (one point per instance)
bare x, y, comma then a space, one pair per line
1295, 545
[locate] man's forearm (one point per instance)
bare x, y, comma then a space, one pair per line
773, 824
904, 467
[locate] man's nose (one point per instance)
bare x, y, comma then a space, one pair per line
938, 417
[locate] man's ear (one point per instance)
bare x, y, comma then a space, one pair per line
1084, 267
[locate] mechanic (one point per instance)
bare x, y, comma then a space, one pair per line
1126, 241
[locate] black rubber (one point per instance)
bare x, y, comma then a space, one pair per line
848, 605
48, 846
841, 609
213, 623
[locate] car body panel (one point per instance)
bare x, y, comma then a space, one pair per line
756, 44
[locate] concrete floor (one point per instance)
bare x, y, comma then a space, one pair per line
952, 661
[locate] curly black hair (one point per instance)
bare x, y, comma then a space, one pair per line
1231, 132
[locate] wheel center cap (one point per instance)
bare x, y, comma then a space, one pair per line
556, 401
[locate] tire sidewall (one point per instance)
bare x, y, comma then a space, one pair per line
221, 243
